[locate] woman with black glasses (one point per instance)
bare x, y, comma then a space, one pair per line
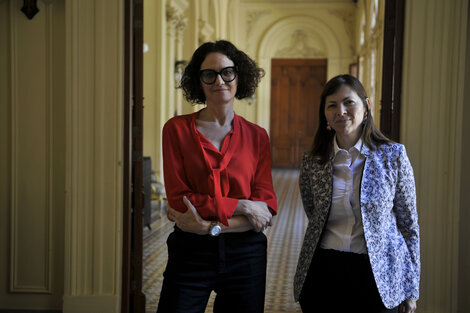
217, 170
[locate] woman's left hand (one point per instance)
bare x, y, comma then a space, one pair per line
407, 306
189, 221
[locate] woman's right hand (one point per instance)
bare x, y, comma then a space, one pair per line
257, 212
189, 221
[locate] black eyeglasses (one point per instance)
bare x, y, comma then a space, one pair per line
209, 77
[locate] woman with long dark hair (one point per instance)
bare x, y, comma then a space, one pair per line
361, 248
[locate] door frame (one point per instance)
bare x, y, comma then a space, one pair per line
132, 298
394, 26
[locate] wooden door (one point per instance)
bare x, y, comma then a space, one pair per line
296, 86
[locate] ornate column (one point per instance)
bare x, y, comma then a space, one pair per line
172, 21
179, 27
176, 23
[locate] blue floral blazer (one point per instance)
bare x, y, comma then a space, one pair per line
390, 219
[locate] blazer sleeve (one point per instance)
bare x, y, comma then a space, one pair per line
262, 188
305, 186
407, 216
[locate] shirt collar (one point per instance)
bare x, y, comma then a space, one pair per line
356, 148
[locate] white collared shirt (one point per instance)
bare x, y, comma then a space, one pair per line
344, 230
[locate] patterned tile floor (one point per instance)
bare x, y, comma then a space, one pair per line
284, 242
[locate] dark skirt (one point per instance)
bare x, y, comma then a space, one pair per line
340, 282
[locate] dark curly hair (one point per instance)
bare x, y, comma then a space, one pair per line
323, 143
249, 74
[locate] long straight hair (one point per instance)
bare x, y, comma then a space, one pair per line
322, 147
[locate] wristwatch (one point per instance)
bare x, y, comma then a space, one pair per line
214, 229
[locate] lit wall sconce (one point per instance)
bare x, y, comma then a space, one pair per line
179, 69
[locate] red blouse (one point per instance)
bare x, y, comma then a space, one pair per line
214, 180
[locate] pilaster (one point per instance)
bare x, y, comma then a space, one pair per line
94, 105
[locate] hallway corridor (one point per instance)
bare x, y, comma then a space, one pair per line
284, 242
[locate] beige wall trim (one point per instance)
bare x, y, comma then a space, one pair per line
91, 304
94, 116
31, 153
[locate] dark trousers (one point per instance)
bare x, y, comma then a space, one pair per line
340, 282
232, 265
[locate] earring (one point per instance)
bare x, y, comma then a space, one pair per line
328, 127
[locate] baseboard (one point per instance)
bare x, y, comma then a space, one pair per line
29, 311
91, 304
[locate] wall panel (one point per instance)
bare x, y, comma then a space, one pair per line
32, 191
31, 146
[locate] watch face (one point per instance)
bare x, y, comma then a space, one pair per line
215, 230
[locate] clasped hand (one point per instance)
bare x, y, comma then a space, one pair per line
256, 212
257, 215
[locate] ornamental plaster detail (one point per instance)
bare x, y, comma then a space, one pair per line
299, 47
176, 21
252, 17
180, 26
171, 19
205, 31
